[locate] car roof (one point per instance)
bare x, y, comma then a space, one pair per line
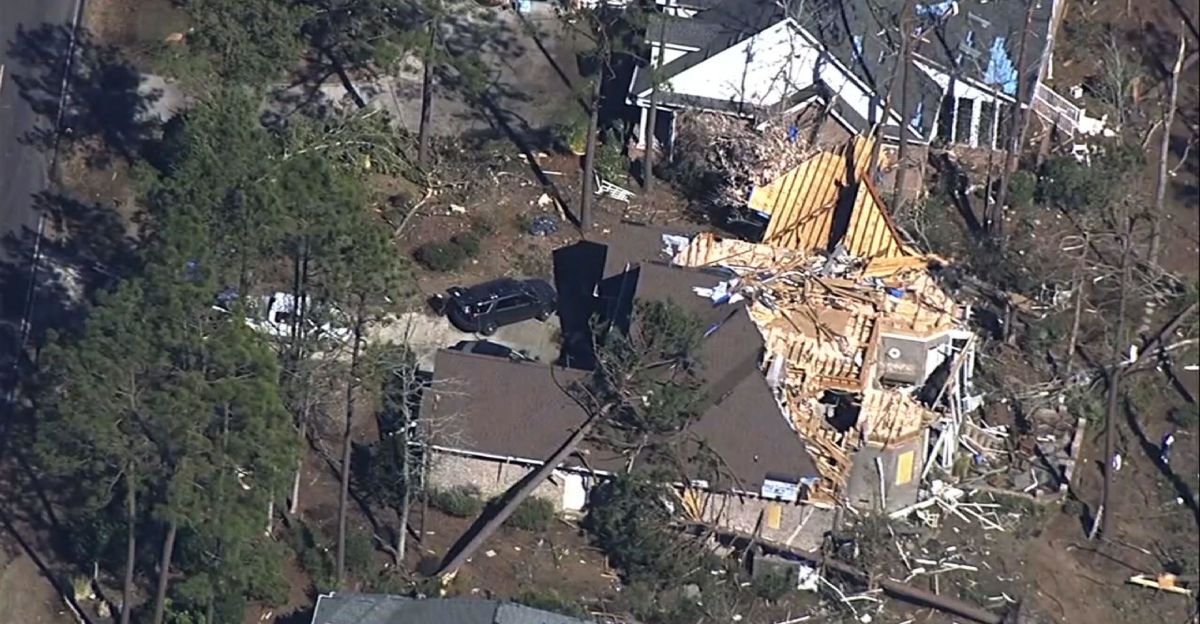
504, 286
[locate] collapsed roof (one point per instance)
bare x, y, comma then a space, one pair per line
826, 320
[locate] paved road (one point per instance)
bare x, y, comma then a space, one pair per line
22, 168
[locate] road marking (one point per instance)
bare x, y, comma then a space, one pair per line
1, 77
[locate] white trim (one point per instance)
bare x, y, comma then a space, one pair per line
963, 86
511, 459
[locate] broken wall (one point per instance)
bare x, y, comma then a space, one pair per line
901, 464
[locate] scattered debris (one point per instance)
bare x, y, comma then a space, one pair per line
542, 225
604, 188
1166, 582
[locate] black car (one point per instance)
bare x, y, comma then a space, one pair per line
487, 347
485, 307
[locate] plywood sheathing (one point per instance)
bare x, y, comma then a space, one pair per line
803, 206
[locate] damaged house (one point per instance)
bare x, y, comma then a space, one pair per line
512, 415
860, 344
840, 60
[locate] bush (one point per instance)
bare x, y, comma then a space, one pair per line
468, 242
440, 257
1184, 417
314, 556
550, 600
1021, 188
571, 132
482, 226
611, 163
1069, 184
460, 501
629, 522
533, 514
358, 552
773, 586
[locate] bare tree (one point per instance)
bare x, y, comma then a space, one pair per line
1160, 192
651, 120
995, 219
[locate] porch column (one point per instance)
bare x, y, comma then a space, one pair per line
642, 128
975, 104
996, 123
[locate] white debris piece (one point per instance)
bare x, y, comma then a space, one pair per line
723, 292
673, 244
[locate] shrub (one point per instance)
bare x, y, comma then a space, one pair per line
1021, 188
548, 599
1184, 417
313, 555
440, 257
571, 131
482, 226
611, 163
629, 522
468, 242
772, 586
358, 552
533, 514
460, 501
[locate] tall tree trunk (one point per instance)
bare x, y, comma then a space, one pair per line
906, 45
652, 119
164, 572
1016, 134
344, 77
1160, 191
405, 504
294, 502
347, 444
130, 545
405, 469
427, 96
589, 156
1107, 502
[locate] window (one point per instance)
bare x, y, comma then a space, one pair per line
512, 302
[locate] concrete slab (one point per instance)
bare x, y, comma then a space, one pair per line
425, 334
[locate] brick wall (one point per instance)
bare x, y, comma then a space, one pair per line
491, 477
799, 525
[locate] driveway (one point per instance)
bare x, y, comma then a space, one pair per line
426, 333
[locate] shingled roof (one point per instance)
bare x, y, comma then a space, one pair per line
389, 609
972, 40
522, 411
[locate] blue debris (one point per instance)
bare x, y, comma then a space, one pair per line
858, 45
936, 10
918, 118
793, 133
1000, 69
192, 271
542, 225
896, 292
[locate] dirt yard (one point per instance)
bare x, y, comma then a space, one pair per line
26, 597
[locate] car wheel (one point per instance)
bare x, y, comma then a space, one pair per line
545, 314
487, 329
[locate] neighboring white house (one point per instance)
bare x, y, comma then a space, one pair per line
764, 58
